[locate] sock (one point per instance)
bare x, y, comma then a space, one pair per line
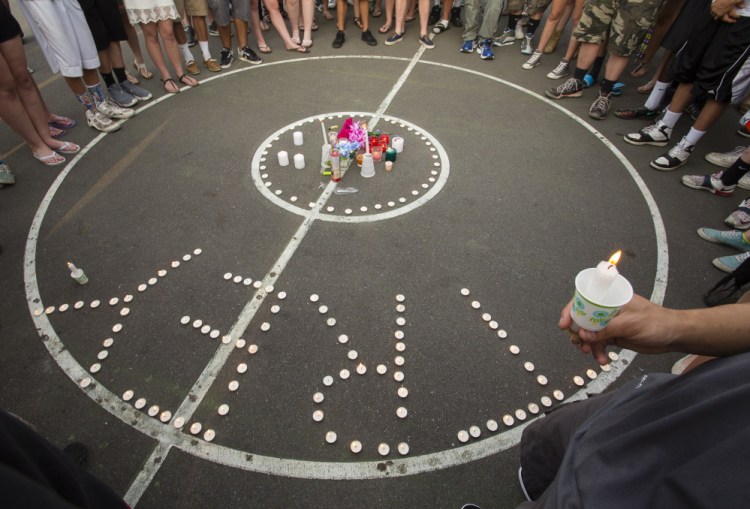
596, 68
97, 92
204, 49
579, 74
694, 136
734, 173
185, 51
513, 21
120, 74
607, 86
108, 78
85, 100
657, 94
531, 27
670, 118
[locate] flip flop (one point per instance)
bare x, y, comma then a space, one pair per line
68, 148
385, 28
55, 132
185, 80
376, 13
170, 86
51, 160
358, 22
307, 43
409, 19
62, 122
299, 49
264, 49
327, 15
142, 70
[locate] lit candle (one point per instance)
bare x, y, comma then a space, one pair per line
299, 161
602, 280
377, 153
398, 143
298, 139
388, 165
77, 274
361, 369
283, 158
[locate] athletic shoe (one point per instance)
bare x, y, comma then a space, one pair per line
535, 60
247, 55
190, 35
562, 70
633, 113
440, 27
740, 218
192, 68
6, 176
468, 47
526, 48
112, 110
730, 263
505, 40
588, 81
676, 157
456, 17
742, 131
710, 183
427, 42
394, 39
520, 31
212, 30
725, 159
485, 50
331, 4
102, 122
571, 88
212, 65
655, 134
225, 58
338, 41
120, 96
434, 16
731, 238
744, 182
368, 38
600, 107
139, 93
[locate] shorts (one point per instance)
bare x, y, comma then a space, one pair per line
105, 22
9, 27
624, 21
192, 7
680, 31
713, 56
223, 13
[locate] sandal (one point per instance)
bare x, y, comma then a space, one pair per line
409, 19
132, 79
264, 49
142, 70
299, 49
377, 13
68, 148
188, 80
55, 132
170, 86
314, 27
327, 15
264, 26
646, 87
307, 43
358, 22
62, 122
385, 28
51, 160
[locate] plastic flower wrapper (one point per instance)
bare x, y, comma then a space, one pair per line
351, 137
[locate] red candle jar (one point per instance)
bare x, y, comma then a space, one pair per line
373, 142
383, 141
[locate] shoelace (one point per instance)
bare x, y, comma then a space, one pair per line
560, 67
602, 102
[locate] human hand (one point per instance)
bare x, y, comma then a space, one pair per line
641, 326
726, 10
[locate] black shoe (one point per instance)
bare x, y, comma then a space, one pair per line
368, 38
212, 29
247, 55
435, 13
456, 17
190, 35
339, 40
225, 58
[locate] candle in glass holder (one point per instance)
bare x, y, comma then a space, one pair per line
360, 155
388, 165
373, 140
377, 153
335, 166
398, 143
383, 141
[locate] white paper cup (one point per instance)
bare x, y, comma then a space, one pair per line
595, 316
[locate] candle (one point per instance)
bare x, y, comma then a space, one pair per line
335, 166
77, 274
390, 154
377, 153
298, 139
388, 165
361, 369
383, 141
398, 143
299, 161
602, 280
283, 158
367, 139
323, 128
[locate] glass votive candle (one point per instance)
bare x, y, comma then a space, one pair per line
360, 155
377, 153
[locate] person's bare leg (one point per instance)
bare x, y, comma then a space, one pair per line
556, 11
255, 25
153, 46
292, 9
390, 6
400, 8
411, 7
240, 27
308, 18
277, 20
170, 37
424, 15
616, 65
133, 42
364, 13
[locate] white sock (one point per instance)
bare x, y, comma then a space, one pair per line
657, 94
204, 49
186, 55
694, 136
670, 118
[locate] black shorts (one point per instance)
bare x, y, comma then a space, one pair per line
9, 27
680, 31
105, 22
713, 55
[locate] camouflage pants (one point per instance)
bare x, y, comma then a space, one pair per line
532, 6
625, 21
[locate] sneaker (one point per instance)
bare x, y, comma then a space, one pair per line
676, 157
655, 134
331, 4
506, 39
212, 30
212, 65
440, 27
112, 110
485, 50
120, 96
6, 177
571, 88
435, 13
730, 263
394, 39
725, 159
139, 93
710, 183
731, 238
740, 218
225, 58
468, 47
744, 182
101, 122
456, 17
520, 32
633, 113
588, 81
247, 55
192, 68
368, 38
338, 41
535, 60
526, 48
190, 35
562, 70
742, 131
426, 42
600, 107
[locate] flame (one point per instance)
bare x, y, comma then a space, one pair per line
615, 258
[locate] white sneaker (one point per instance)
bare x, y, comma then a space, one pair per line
535, 60
744, 182
112, 110
676, 157
562, 70
526, 48
740, 218
520, 31
725, 159
101, 122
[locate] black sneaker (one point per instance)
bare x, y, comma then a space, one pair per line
637, 112
190, 35
456, 17
212, 30
247, 55
226, 58
368, 38
435, 13
339, 40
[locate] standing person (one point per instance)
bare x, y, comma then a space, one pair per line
550, 25
274, 13
402, 18
367, 36
240, 13
195, 10
481, 24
